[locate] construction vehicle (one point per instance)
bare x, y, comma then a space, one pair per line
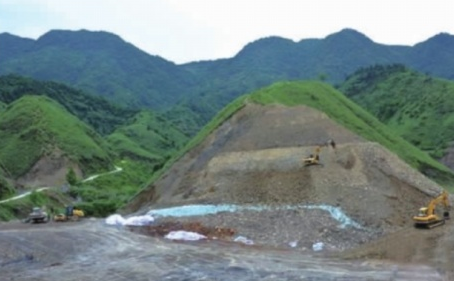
71, 214
427, 217
313, 159
38, 215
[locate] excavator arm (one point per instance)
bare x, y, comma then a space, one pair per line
442, 199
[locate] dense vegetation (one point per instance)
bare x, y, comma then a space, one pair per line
100, 63
416, 106
148, 137
103, 64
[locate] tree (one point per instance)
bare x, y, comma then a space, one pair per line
71, 177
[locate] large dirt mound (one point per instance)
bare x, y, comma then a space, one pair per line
256, 158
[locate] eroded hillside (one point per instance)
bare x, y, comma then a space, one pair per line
256, 157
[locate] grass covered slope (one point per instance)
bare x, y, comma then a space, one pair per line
36, 125
148, 137
96, 111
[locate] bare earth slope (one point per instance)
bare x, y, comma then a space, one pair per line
256, 157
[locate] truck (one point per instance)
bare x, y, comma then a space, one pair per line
38, 215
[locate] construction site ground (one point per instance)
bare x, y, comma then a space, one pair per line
253, 159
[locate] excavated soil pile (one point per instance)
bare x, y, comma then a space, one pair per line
255, 159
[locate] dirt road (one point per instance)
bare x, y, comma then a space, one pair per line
410, 245
91, 250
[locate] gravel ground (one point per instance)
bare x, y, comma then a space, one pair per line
298, 229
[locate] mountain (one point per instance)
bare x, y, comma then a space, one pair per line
41, 140
104, 64
13, 46
331, 59
100, 63
434, 56
418, 107
98, 112
252, 153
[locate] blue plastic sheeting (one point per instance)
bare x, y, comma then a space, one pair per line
337, 214
192, 210
201, 210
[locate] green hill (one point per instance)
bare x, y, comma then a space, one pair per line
102, 115
148, 137
416, 106
34, 126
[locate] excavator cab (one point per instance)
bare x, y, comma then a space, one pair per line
422, 212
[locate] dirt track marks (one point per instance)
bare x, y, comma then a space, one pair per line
94, 251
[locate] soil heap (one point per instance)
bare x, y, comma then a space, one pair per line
255, 157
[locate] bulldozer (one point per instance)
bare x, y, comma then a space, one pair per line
427, 217
71, 214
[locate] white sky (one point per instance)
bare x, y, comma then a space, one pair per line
191, 30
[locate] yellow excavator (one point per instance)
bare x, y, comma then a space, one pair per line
71, 214
313, 159
427, 218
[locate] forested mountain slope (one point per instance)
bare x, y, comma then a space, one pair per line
100, 63
418, 107
104, 64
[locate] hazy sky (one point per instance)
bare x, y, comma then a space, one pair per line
192, 30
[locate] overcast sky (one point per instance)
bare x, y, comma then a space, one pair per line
192, 30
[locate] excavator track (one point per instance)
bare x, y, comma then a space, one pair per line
429, 225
